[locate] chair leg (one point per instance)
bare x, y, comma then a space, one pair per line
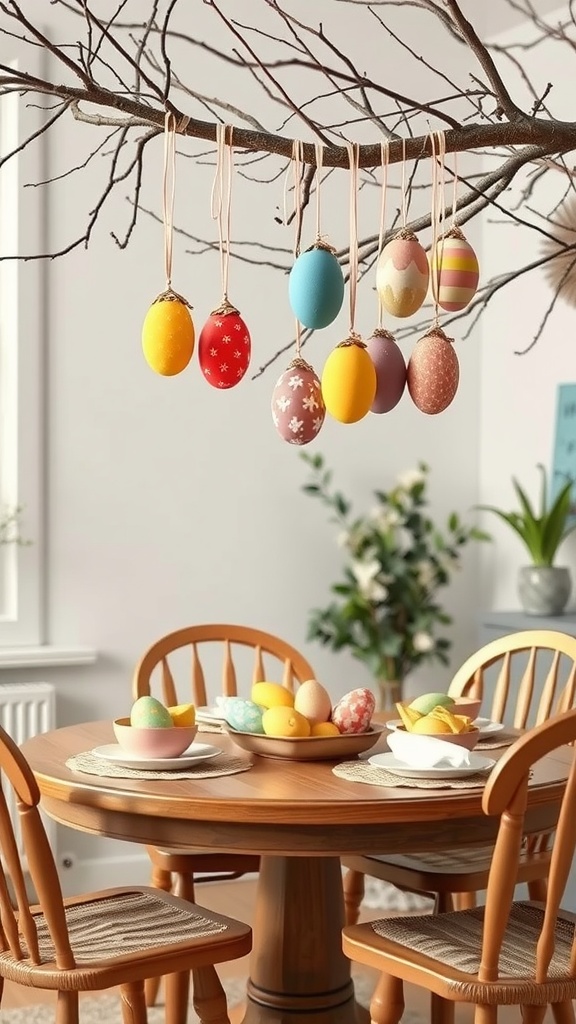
67, 1008
533, 1014
353, 886
133, 1003
441, 1010
387, 1003
160, 880
563, 1013
443, 903
208, 997
486, 1014
537, 890
464, 900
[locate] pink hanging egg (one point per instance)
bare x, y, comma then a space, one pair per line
390, 370
224, 348
402, 275
433, 372
454, 272
298, 408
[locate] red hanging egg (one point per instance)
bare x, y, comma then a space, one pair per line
433, 372
298, 408
224, 348
390, 370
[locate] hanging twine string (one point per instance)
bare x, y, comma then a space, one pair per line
403, 186
319, 150
168, 193
297, 157
354, 160
221, 206
384, 159
453, 224
438, 214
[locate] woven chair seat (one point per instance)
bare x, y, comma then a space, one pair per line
460, 859
454, 942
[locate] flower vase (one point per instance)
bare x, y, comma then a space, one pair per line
389, 693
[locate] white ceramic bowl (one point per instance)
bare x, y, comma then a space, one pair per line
461, 739
153, 742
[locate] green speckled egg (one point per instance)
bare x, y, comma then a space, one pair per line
150, 713
243, 715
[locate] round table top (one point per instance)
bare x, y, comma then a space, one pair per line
292, 806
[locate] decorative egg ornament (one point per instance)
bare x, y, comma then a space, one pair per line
349, 381
454, 272
390, 370
298, 408
433, 372
402, 275
224, 348
316, 287
168, 334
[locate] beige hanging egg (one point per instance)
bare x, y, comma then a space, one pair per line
433, 372
402, 275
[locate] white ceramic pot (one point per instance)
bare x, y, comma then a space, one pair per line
544, 589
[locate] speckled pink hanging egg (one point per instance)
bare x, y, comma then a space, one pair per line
390, 370
224, 348
402, 275
454, 271
298, 408
433, 372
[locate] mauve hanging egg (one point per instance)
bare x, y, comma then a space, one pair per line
349, 381
298, 408
455, 280
390, 370
433, 372
224, 348
316, 287
402, 275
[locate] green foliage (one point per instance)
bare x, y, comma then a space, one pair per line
385, 608
10, 526
542, 532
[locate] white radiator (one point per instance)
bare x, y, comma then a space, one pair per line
27, 709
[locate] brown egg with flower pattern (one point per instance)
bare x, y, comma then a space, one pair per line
298, 409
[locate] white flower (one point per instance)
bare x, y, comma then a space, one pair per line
343, 539
422, 642
365, 574
385, 518
425, 572
410, 478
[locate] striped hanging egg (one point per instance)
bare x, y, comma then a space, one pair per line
433, 372
298, 408
349, 381
454, 272
402, 275
390, 370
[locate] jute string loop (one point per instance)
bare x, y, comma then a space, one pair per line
437, 214
297, 159
454, 192
403, 185
319, 150
384, 159
354, 160
168, 193
221, 200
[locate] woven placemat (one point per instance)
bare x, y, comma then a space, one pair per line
360, 771
498, 739
224, 764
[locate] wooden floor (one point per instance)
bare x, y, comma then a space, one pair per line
237, 900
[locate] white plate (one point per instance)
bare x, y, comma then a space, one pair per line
210, 714
484, 725
192, 755
478, 763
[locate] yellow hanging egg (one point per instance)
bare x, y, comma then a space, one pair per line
168, 334
349, 381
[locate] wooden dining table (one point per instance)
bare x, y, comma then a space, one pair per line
300, 818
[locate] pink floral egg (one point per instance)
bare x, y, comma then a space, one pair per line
390, 370
402, 275
354, 711
298, 408
224, 349
433, 372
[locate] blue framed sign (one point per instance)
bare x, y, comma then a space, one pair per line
564, 459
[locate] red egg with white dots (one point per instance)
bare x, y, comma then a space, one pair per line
224, 349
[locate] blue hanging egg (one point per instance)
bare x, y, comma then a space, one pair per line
316, 287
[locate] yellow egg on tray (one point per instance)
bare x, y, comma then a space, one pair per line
284, 721
271, 695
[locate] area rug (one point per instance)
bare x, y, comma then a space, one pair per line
97, 1009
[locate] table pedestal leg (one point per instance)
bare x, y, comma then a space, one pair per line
297, 967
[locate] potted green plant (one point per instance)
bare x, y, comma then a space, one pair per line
386, 607
543, 587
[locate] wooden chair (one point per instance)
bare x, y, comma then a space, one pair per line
115, 937
175, 870
454, 877
516, 953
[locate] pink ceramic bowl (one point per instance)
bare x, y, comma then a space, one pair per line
153, 742
466, 706
461, 739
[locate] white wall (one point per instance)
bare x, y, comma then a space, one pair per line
170, 503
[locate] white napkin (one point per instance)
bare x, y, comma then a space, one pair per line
419, 751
